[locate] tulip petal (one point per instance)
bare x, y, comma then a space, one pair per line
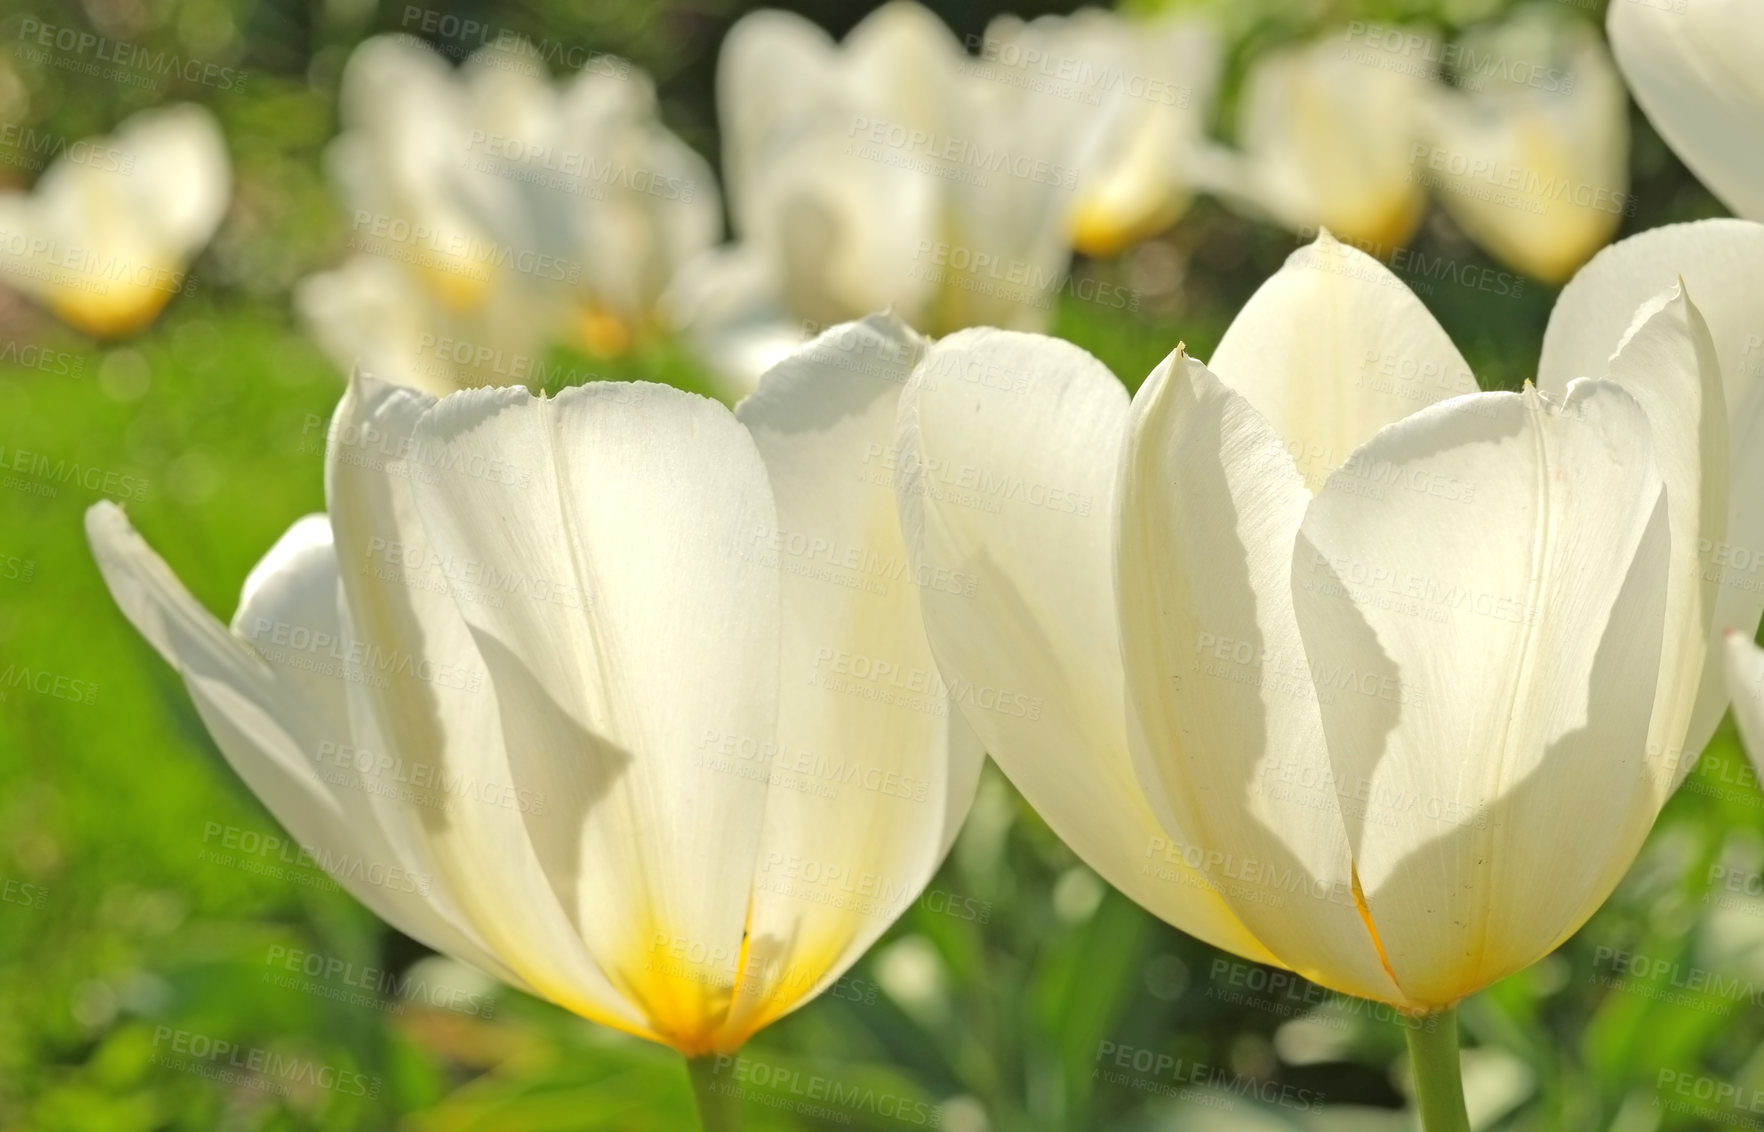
872, 771
427, 704
1006, 475
1327, 141
276, 722
1223, 717
1332, 348
767, 61
1745, 682
638, 499
180, 174
1667, 363
1694, 70
1493, 574
1721, 265
1534, 170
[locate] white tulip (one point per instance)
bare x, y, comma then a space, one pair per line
518, 213
1136, 93
882, 173
106, 237
1326, 137
618, 696
1697, 69
1529, 153
1328, 641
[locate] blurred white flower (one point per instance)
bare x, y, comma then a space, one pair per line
1697, 69
1326, 134
505, 213
1745, 683
564, 689
106, 236
1137, 92
1529, 153
888, 172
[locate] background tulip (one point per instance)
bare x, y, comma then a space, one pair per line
1529, 153
1142, 92
497, 212
602, 603
1745, 683
1325, 139
105, 238
1281, 565
1694, 68
887, 172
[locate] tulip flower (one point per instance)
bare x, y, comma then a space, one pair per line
1139, 92
105, 238
1529, 151
1326, 136
1694, 69
501, 214
1327, 641
618, 696
887, 172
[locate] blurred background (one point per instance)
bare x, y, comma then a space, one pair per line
148, 900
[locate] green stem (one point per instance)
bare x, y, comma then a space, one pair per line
719, 1109
1439, 1082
